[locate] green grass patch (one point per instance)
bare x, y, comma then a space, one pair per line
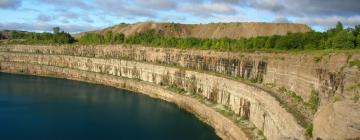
317, 59
174, 88
355, 63
291, 94
314, 101
309, 130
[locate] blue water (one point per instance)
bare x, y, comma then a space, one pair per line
56, 109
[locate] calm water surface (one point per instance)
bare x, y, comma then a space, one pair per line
50, 109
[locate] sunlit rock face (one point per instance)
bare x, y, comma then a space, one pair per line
329, 74
196, 71
339, 120
251, 103
51, 108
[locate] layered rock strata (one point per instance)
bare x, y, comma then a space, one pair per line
204, 73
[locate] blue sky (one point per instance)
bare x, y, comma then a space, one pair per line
85, 15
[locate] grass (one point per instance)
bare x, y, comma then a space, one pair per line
355, 63
309, 130
291, 94
314, 101
175, 89
317, 59
294, 104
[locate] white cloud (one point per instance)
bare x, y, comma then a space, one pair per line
208, 9
330, 21
41, 26
281, 20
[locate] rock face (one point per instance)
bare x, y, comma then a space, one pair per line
330, 74
251, 103
224, 127
212, 75
339, 120
213, 30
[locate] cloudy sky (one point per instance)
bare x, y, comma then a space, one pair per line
85, 15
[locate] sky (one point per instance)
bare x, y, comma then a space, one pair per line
85, 15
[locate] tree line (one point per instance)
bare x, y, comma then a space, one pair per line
334, 38
22, 37
96, 38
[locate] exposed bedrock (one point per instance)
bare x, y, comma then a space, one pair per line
224, 127
302, 73
249, 102
223, 78
339, 120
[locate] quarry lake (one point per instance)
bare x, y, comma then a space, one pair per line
50, 108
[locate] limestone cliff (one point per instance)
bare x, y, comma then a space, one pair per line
270, 90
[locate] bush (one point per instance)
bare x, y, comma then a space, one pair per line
314, 101
309, 130
343, 39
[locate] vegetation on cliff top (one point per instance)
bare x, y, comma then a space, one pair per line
22, 37
335, 38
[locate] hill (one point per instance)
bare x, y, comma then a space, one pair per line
211, 30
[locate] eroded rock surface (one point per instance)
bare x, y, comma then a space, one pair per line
253, 104
224, 78
339, 120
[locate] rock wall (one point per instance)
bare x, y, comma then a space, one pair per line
238, 81
224, 127
328, 74
249, 102
339, 120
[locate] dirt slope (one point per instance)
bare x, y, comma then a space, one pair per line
212, 30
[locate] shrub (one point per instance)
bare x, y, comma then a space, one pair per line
309, 130
314, 100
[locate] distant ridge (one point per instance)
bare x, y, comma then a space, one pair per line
211, 30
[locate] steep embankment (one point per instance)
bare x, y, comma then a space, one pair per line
212, 30
224, 127
272, 91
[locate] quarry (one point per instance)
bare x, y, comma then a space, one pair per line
275, 81
180, 70
242, 95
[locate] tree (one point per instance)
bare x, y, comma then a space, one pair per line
108, 37
56, 30
356, 30
63, 38
358, 41
339, 26
343, 39
119, 38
